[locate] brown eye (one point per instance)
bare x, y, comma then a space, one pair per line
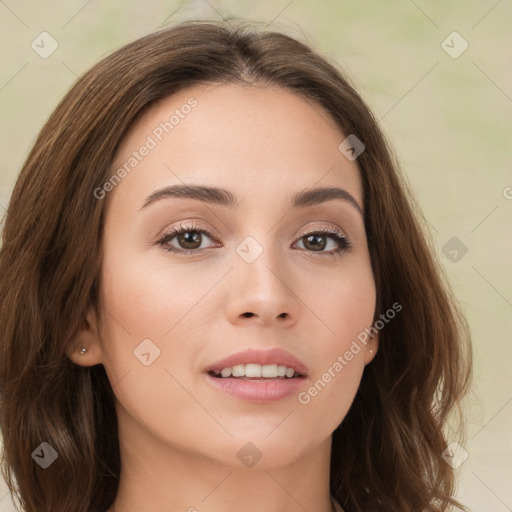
187, 239
317, 242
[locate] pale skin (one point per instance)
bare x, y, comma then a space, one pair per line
179, 436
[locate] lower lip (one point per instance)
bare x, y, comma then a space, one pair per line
258, 391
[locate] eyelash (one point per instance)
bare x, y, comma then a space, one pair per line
334, 233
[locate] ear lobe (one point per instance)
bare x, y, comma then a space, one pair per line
371, 349
87, 337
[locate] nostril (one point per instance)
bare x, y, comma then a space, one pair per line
248, 314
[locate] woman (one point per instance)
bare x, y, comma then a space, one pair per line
215, 294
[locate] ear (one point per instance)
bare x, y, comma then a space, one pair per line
88, 337
373, 346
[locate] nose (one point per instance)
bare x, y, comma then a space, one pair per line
262, 291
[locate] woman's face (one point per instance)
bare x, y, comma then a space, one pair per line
170, 316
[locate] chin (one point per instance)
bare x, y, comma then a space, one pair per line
262, 451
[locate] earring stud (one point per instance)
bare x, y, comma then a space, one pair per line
83, 350
371, 351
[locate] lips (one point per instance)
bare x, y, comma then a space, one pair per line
261, 357
258, 390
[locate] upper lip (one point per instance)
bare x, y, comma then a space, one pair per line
263, 357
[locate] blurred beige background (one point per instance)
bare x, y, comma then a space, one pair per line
444, 99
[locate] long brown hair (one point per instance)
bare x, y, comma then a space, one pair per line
387, 454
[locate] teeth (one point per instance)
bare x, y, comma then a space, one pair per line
226, 372
238, 370
268, 371
253, 370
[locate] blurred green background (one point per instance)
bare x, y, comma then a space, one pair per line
447, 110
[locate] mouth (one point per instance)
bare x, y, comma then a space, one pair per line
256, 371
259, 376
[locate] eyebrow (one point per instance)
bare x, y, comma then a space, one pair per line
223, 197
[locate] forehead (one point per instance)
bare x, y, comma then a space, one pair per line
243, 137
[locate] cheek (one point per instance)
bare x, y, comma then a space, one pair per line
355, 296
346, 308
331, 393
343, 302
151, 299
147, 351
340, 352
145, 307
